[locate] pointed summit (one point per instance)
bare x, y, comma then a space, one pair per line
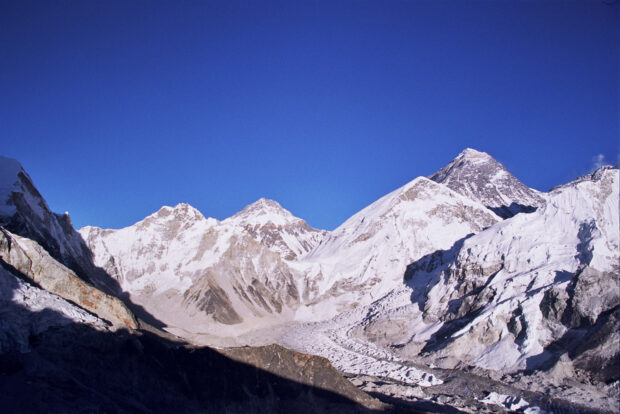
479, 176
184, 210
474, 155
262, 212
267, 222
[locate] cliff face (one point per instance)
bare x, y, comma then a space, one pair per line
24, 212
38, 267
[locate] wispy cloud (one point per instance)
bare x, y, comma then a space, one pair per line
598, 161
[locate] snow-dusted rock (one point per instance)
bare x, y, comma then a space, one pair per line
479, 177
275, 227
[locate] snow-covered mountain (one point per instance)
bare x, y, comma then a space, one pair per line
275, 227
367, 255
61, 349
263, 266
537, 291
428, 275
478, 176
202, 275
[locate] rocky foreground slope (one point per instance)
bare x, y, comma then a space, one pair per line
55, 357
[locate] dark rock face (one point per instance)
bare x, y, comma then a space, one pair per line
32, 218
478, 176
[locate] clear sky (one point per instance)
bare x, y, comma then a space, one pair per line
116, 108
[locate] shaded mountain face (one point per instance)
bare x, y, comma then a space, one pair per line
56, 357
535, 292
478, 176
24, 212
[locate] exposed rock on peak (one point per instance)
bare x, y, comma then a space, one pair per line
264, 212
480, 177
181, 211
269, 223
472, 154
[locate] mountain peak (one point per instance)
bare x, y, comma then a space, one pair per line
179, 211
472, 153
264, 211
9, 175
479, 176
266, 203
16, 183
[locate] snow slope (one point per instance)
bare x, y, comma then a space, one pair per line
503, 299
367, 255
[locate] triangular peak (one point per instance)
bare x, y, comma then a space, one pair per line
480, 177
263, 211
180, 211
265, 204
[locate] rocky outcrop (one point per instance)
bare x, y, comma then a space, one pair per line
33, 262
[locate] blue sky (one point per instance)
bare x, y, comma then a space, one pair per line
117, 108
